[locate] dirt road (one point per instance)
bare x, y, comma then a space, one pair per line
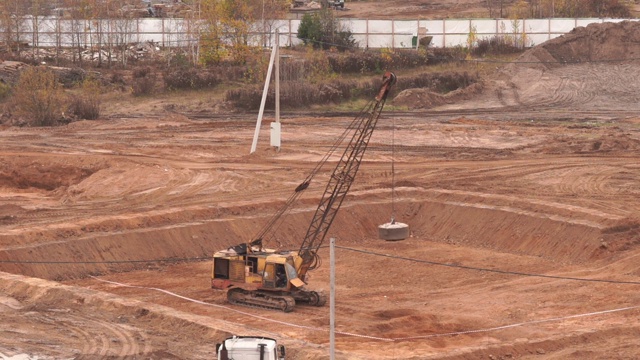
522, 203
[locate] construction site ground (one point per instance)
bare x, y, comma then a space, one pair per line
522, 202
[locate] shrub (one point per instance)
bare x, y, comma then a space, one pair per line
39, 96
437, 82
376, 60
117, 78
144, 80
190, 79
495, 45
5, 90
295, 94
141, 72
86, 104
446, 55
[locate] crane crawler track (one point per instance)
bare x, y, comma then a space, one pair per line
312, 298
261, 299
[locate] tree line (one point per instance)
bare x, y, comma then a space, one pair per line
221, 28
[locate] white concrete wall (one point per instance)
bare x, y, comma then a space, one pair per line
368, 33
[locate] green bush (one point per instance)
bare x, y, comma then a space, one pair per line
322, 30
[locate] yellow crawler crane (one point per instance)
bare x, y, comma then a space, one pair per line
256, 276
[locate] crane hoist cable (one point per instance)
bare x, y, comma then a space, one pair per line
270, 228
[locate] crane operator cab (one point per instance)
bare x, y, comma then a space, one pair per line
258, 277
254, 266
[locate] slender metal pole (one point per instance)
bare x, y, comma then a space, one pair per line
332, 300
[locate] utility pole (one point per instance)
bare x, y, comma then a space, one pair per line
332, 299
275, 126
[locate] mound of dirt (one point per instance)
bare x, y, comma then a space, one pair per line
591, 67
595, 42
421, 98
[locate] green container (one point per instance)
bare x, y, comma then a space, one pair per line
414, 42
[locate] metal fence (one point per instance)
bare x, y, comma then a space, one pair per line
168, 32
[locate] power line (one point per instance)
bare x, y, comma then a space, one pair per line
101, 262
435, 263
506, 272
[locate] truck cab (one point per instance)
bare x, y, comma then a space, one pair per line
336, 4
250, 348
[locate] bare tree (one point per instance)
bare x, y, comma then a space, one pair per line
97, 28
490, 6
122, 23
12, 23
37, 11
79, 11
191, 28
272, 10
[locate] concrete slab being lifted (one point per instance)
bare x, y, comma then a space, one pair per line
393, 231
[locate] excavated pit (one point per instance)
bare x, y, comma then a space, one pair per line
520, 200
501, 228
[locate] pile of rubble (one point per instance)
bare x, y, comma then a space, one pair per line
10, 71
299, 5
139, 51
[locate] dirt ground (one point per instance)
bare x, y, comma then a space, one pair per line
413, 9
522, 202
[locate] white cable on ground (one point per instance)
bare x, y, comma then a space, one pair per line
496, 328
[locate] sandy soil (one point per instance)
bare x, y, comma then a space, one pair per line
522, 203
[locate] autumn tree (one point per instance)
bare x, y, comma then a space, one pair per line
39, 96
230, 27
212, 49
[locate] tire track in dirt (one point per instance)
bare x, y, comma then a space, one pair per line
125, 340
586, 86
90, 337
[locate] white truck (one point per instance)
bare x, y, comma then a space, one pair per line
335, 4
250, 348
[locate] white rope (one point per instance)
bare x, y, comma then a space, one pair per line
237, 311
497, 328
